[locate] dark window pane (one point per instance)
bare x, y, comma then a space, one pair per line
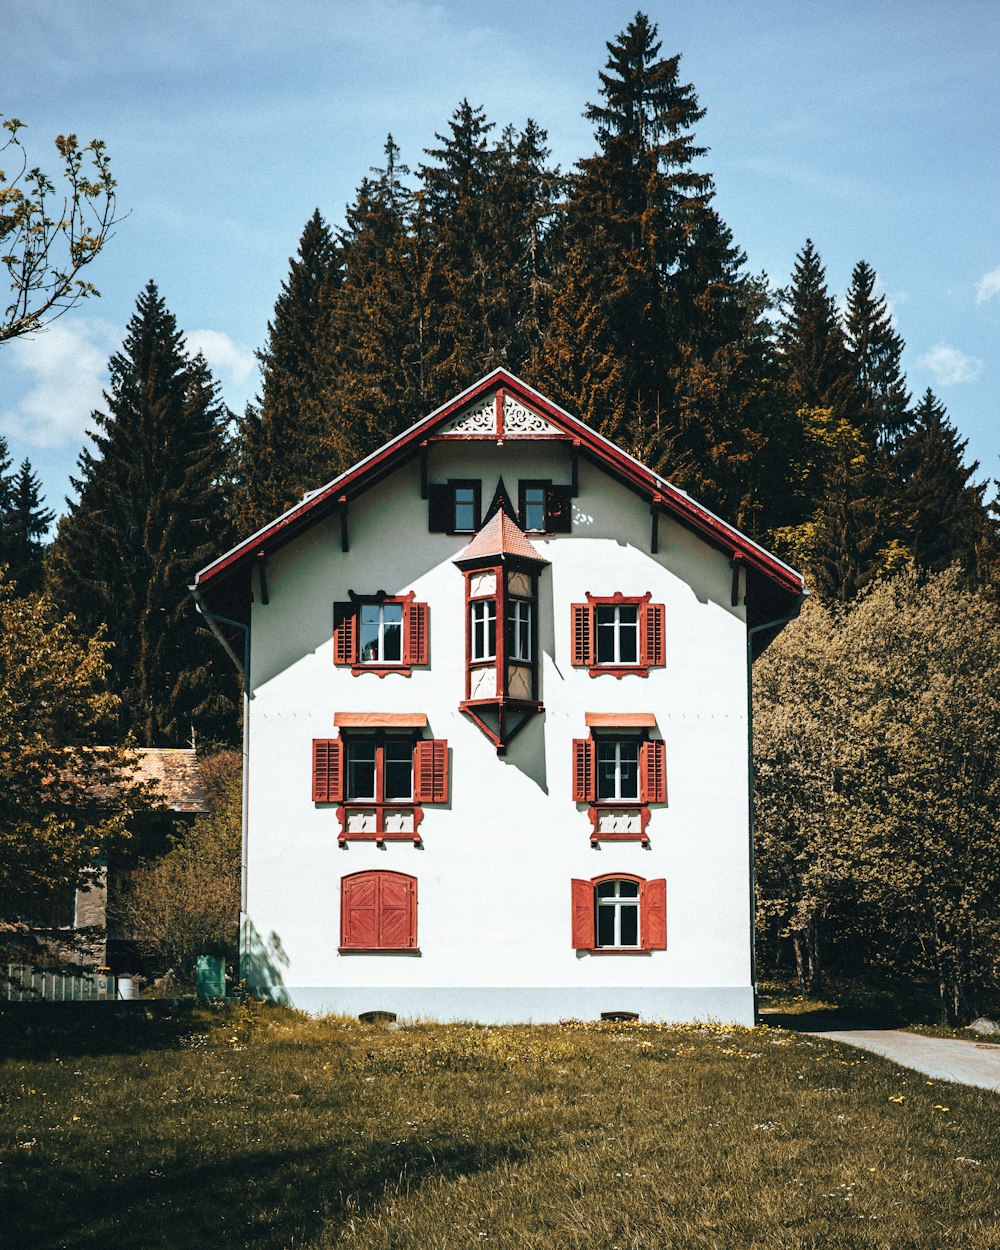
392, 633
628, 635
361, 769
606, 770
629, 786
605, 926
628, 889
629, 924
369, 632
605, 635
398, 769
606, 889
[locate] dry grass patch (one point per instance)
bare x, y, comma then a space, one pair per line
261, 1128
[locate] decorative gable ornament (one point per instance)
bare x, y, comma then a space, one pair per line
499, 416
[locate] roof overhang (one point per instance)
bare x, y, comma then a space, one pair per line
227, 579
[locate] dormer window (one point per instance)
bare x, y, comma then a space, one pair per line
454, 507
543, 508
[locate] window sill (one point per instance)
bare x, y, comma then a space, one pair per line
632, 807
615, 950
380, 834
618, 670
381, 670
378, 950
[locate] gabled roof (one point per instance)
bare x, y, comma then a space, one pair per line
497, 407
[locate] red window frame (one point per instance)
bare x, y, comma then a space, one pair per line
583, 635
652, 915
652, 783
347, 634
378, 913
329, 784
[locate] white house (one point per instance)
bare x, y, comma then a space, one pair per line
497, 730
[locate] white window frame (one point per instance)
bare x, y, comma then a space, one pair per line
481, 613
617, 902
602, 745
380, 658
520, 614
617, 626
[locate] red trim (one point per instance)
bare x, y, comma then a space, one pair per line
382, 670
380, 720
379, 834
618, 670
620, 720
374, 467
596, 836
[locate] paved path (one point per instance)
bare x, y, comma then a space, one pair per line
946, 1059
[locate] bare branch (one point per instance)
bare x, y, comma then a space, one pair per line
45, 252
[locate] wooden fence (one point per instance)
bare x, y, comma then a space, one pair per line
22, 983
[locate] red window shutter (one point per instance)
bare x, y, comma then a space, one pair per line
397, 919
430, 771
582, 643
653, 914
345, 646
583, 915
328, 770
359, 926
652, 635
653, 768
583, 770
416, 635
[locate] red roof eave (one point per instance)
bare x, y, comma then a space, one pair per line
404, 445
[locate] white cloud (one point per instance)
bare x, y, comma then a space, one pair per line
988, 286
231, 362
949, 365
64, 370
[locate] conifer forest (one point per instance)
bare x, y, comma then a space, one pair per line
617, 289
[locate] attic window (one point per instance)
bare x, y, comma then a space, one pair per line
455, 506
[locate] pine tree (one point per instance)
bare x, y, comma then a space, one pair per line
376, 386
149, 513
818, 372
875, 348
24, 523
631, 206
943, 512
281, 437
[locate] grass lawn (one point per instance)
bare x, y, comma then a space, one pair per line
260, 1128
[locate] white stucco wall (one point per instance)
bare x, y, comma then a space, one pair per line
496, 863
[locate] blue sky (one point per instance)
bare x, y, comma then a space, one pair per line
869, 127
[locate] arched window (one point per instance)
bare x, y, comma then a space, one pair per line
620, 912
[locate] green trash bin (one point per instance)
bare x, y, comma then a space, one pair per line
210, 977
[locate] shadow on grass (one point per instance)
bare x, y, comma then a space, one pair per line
47, 1030
266, 1199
